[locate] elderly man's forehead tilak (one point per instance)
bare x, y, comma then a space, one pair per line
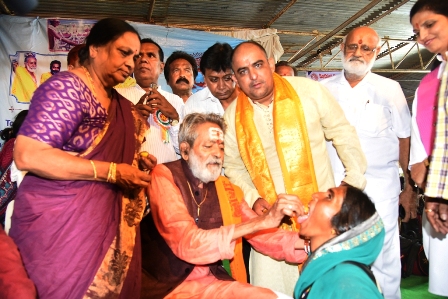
215, 134
363, 35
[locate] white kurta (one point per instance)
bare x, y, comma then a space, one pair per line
324, 120
435, 244
154, 144
203, 102
377, 108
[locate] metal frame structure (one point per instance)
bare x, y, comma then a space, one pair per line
421, 68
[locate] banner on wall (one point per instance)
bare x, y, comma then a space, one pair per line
65, 34
318, 76
33, 49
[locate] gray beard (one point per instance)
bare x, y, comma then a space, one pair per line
200, 170
357, 67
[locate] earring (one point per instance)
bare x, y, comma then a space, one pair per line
333, 231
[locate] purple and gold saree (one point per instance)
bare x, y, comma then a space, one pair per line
80, 239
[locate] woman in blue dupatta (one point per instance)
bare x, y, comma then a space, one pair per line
78, 209
346, 235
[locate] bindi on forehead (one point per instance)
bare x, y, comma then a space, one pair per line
216, 134
360, 41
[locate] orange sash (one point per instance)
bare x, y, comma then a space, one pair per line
291, 140
230, 197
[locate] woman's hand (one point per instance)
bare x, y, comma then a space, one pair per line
147, 162
129, 177
437, 213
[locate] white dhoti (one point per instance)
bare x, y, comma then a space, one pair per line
387, 267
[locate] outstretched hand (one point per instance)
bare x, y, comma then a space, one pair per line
286, 205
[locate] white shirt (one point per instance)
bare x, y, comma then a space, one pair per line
377, 108
418, 152
203, 102
154, 144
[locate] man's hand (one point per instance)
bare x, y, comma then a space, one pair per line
437, 213
147, 162
418, 174
154, 100
286, 205
144, 109
261, 206
15, 64
408, 200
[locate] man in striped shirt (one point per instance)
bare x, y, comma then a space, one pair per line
163, 109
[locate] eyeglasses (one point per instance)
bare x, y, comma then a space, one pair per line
352, 48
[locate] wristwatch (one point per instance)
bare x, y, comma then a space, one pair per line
174, 122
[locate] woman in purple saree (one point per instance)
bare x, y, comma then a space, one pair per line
78, 209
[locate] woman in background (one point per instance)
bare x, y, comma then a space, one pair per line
8, 187
78, 209
429, 19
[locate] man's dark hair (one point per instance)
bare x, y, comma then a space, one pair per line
249, 42
151, 41
29, 55
180, 55
55, 62
217, 58
286, 63
103, 32
439, 7
72, 55
355, 209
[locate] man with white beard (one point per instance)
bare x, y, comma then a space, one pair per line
198, 218
377, 108
25, 80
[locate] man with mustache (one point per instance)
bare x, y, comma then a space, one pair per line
163, 109
25, 81
275, 143
180, 72
55, 67
377, 108
198, 218
221, 88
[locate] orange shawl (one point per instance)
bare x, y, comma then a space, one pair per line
291, 140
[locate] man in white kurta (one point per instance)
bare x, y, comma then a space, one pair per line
163, 109
324, 120
377, 108
203, 101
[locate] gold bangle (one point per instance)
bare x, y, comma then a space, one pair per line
109, 173
94, 170
113, 178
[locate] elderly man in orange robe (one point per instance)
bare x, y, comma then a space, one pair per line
198, 218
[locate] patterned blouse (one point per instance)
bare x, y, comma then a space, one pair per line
64, 114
